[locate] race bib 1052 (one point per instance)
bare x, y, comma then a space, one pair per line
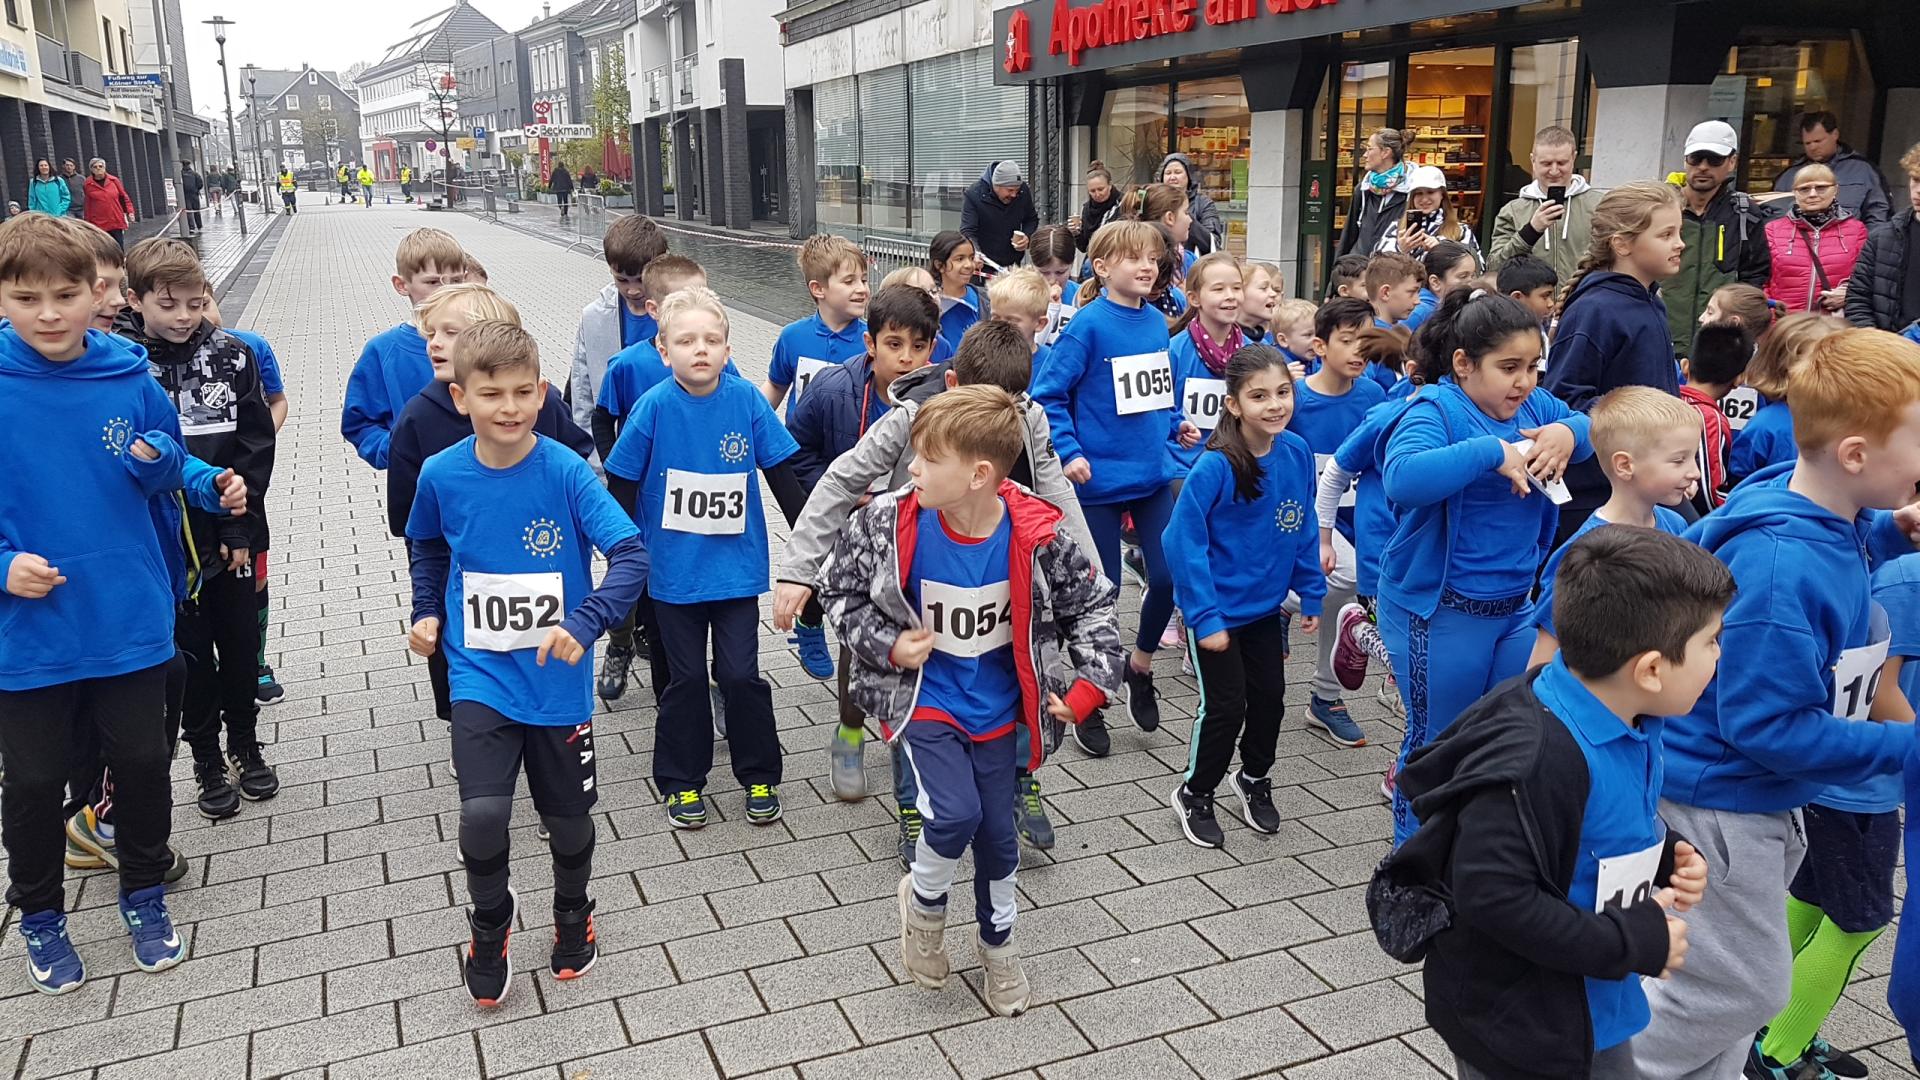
505, 612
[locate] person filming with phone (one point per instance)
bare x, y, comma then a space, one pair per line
1552, 216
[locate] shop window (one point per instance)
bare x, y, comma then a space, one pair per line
836, 140
1765, 86
1133, 132
884, 165
1363, 111
1215, 132
1542, 93
1450, 109
960, 122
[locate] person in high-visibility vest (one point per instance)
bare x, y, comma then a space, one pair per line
366, 184
345, 180
288, 190
406, 181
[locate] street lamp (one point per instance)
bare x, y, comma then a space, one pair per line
252, 73
220, 25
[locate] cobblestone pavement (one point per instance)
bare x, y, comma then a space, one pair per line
326, 924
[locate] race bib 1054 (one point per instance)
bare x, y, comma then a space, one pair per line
967, 622
1202, 401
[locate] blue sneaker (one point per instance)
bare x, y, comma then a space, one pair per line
156, 944
1332, 720
814, 656
52, 965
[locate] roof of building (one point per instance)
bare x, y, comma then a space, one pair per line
442, 32
576, 16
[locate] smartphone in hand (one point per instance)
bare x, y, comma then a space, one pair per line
1557, 194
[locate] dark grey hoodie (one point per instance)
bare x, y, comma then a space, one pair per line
1209, 230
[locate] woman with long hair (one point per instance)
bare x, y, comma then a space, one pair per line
1427, 219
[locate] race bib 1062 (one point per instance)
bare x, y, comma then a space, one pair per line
1625, 880
1202, 401
1142, 382
505, 612
712, 504
1739, 406
967, 622
1856, 675
804, 371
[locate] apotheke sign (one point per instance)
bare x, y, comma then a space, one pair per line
1047, 38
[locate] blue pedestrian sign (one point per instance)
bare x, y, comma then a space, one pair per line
479, 133
131, 86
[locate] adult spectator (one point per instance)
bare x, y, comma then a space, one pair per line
191, 187
1725, 232
560, 184
107, 203
47, 192
1863, 191
1102, 204
1535, 223
1884, 292
1209, 230
997, 214
1815, 246
589, 181
1427, 218
76, 188
1380, 194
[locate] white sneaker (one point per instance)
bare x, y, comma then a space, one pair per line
1006, 982
923, 942
1389, 697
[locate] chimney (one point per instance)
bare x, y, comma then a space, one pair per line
546, 10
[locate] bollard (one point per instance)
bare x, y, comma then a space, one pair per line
389, 201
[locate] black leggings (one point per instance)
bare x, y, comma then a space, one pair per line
220, 635
1242, 696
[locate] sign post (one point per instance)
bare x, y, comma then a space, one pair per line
541, 111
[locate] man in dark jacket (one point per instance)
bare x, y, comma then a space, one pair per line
1725, 231
997, 214
1884, 291
1863, 191
77, 186
560, 185
190, 188
1538, 886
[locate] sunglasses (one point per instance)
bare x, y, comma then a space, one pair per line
1812, 189
1706, 157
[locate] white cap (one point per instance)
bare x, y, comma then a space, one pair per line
1425, 177
1714, 137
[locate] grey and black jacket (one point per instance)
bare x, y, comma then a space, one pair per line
1876, 290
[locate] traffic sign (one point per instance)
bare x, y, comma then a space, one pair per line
479, 134
134, 86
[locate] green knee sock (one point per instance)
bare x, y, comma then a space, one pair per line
261, 661
1802, 920
1820, 973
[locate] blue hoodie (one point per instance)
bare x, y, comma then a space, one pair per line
1613, 333
1766, 739
85, 509
1076, 387
1373, 516
392, 368
1461, 526
1234, 561
1766, 440
1422, 311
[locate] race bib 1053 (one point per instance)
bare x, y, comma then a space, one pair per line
712, 504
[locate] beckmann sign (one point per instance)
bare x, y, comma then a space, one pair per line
1047, 38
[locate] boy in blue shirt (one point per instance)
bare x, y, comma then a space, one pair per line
1328, 405
617, 318
1799, 537
502, 532
1533, 282
393, 366
1539, 854
836, 275
969, 614
683, 466
89, 636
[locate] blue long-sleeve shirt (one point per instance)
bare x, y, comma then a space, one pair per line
1373, 516
807, 347
1233, 562
1112, 358
1766, 440
392, 368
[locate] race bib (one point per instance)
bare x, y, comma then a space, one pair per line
1203, 400
505, 612
1739, 406
1556, 489
1856, 675
1320, 469
1625, 880
804, 371
1142, 383
713, 504
967, 622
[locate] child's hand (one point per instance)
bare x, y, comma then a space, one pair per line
1329, 560
1310, 624
911, 648
788, 599
139, 448
424, 637
233, 491
1513, 466
1676, 935
561, 646
239, 560
1215, 642
1080, 472
1688, 883
1552, 449
1296, 369
1060, 711
30, 578
1189, 434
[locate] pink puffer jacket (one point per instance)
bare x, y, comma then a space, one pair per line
1793, 243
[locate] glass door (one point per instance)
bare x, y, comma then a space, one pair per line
1363, 108
1450, 108
1216, 133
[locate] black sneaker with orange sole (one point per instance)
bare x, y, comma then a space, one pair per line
575, 945
489, 971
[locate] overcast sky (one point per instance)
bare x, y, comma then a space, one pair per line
329, 35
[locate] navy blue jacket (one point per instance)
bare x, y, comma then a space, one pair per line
1613, 333
828, 419
430, 424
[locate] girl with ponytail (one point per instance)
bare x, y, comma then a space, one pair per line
1242, 537
1467, 464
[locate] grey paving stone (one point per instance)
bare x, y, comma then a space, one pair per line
298, 1046
1159, 904
683, 1058
997, 1046
732, 950
819, 978
1343, 911
656, 1014
1263, 882
299, 956
764, 1042
1245, 931
1054, 976
1392, 1060
1255, 982
1347, 1018
1056, 883
27, 1012
1060, 926
615, 975
770, 900
1348, 865
918, 1058
672, 882
139, 990
805, 856
1137, 1012
263, 1007
452, 1058
82, 1046
1151, 1058
425, 1017
391, 980
908, 1009
384, 902
326, 878
1160, 862
252, 928
553, 1037
228, 1057
847, 925
1245, 1045
1350, 960
1151, 954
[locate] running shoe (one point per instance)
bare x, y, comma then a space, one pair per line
1135, 562
686, 810
157, 946
1006, 981
923, 940
1195, 812
218, 799
1761, 1067
489, 970
1256, 801
1092, 735
1175, 633
1030, 814
846, 763
909, 835
541, 834
269, 691
1349, 655
79, 858
763, 803
1390, 782
814, 655
575, 946
89, 849
1143, 706
1333, 721
1837, 1061
52, 965
248, 769
613, 671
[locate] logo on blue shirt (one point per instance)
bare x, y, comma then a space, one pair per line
1289, 515
734, 447
543, 538
116, 435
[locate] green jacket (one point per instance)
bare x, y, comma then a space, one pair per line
1726, 244
1562, 246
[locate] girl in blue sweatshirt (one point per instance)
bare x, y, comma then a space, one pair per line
1204, 340
1243, 536
1108, 390
951, 261
1767, 438
1473, 527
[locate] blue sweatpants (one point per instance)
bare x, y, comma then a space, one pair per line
1150, 516
964, 792
907, 792
1903, 989
1448, 662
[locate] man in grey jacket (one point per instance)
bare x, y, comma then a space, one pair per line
77, 184
1558, 231
1863, 191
